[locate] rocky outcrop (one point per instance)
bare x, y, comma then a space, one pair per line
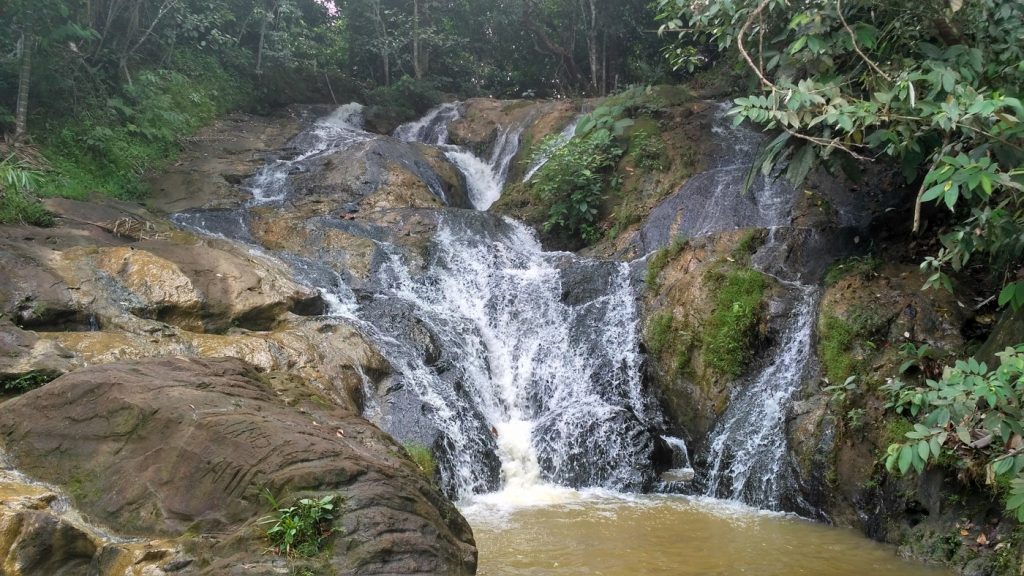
184, 448
681, 301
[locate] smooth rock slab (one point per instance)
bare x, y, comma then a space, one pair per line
158, 448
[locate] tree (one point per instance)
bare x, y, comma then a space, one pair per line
932, 85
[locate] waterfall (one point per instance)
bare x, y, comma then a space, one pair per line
549, 389
748, 452
484, 178
519, 368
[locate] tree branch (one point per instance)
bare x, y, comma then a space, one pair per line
853, 39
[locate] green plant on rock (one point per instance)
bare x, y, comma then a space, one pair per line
26, 382
660, 332
18, 183
648, 152
971, 415
862, 266
423, 457
572, 183
728, 344
300, 529
841, 338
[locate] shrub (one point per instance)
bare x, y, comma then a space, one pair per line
730, 337
648, 152
970, 415
302, 528
18, 180
571, 184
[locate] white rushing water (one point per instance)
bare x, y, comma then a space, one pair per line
552, 389
484, 178
748, 449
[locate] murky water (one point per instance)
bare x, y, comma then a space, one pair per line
603, 534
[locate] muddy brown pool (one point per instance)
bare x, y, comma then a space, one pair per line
601, 534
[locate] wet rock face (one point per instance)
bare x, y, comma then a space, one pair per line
165, 446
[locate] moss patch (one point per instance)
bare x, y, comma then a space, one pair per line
423, 457
843, 341
729, 341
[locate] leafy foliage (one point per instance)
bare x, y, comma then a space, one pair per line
302, 528
648, 151
973, 415
26, 382
934, 86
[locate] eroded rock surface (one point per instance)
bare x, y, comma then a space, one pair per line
169, 446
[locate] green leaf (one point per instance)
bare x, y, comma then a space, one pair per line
923, 449
906, 458
933, 192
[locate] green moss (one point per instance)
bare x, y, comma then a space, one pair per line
423, 457
660, 260
731, 334
660, 332
863, 266
896, 430
841, 337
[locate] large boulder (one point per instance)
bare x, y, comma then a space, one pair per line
178, 448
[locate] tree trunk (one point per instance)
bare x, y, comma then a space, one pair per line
382, 31
263, 36
416, 68
21, 112
592, 48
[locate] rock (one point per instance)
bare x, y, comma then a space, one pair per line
161, 447
40, 536
209, 172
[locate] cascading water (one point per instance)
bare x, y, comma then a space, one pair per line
748, 451
520, 368
484, 178
551, 388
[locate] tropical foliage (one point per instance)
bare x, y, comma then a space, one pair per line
971, 418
